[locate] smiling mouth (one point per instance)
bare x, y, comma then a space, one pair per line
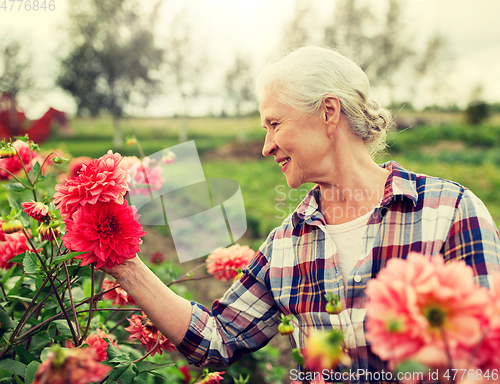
282, 163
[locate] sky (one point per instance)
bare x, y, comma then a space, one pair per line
254, 28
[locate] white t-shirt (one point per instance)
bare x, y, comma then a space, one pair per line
347, 238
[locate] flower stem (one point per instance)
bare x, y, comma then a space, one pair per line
91, 305
300, 328
41, 167
150, 351
51, 281
448, 353
201, 277
15, 177
71, 300
23, 320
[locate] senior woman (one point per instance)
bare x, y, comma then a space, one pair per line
321, 128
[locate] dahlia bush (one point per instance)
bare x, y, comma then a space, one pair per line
61, 319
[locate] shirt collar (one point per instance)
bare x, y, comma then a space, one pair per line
399, 183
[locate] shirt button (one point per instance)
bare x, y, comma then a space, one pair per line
357, 278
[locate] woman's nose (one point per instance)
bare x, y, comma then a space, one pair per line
269, 145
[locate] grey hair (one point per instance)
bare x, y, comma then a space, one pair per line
305, 76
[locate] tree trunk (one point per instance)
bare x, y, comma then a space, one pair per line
117, 136
183, 129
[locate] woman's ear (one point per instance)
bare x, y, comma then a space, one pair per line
331, 112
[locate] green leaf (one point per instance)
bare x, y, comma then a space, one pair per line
5, 321
9, 273
36, 168
146, 366
45, 353
13, 203
66, 257
15, 187
13, 366
19, 258
139, 381
16, 287
117, 356
25, 356
63, 327
30, 372
30, 263
123, 372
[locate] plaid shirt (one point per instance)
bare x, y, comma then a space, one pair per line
298, 264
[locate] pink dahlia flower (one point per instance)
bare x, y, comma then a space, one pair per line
12, 164
229, 260
129, 161
413, 300
75, 166
101, 180
35, 209
75, 366
108, 233
142, 328
119, 296
487, 355
13, 245
145, 177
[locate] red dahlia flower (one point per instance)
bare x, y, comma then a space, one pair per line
75, 366
119, 296
36, 210
142, 328
157, 258
109, 233
229, 259
13, 245
12, 164
101, 180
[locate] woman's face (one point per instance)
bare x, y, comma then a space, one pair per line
298, 142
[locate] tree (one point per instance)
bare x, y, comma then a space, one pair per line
185, 62
382, 47
297, 32
14, 68
351, 31
114, 59
239, 83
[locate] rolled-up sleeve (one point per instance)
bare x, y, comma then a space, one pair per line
241, 322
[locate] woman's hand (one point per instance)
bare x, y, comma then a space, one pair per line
170, 313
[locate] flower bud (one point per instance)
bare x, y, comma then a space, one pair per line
48, 232
57, 160
7, 152
12, 226
132, 140
168, 157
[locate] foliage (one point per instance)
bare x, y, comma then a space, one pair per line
49, 300
113, 56
477, 112
14, 68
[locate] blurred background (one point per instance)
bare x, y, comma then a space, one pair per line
83, 75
